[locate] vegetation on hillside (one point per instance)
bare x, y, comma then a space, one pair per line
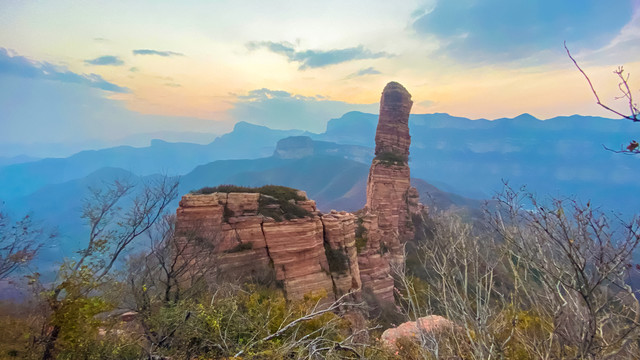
533, 280
276, 191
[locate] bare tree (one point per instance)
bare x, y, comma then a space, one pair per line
318, 345
117, 215
577, 263
546, 281
461, 267
19, 243
176, 268
626, 94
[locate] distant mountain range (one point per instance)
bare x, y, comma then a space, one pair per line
246, 141
562, 156
456, 162
333, 181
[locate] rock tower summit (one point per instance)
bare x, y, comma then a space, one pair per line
392, 134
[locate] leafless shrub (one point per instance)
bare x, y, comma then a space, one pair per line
572, 264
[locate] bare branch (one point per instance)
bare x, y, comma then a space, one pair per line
634, 113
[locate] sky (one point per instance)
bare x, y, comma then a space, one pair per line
78, 71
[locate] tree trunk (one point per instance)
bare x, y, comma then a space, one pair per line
50, 345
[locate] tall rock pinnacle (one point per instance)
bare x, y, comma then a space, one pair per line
392, 134
391, 200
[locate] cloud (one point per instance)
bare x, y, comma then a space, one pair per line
514, 29
21, 66
267, 94
316, 58
426, 103
37, 112
363, 72
175, 85
107, 60
156, 52
281, 109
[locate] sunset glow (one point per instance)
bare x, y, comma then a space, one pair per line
203, 59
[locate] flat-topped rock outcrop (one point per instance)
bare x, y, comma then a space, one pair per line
272, 230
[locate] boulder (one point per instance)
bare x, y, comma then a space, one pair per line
425, 326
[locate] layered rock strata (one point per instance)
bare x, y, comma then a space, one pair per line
390, 198
339, 236
247, 244
392, 133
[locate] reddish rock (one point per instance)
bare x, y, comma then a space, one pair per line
297, 250
239, 204
375, 272
339, 235
392, 133
390, 198
429, 325
308, 205
247, 244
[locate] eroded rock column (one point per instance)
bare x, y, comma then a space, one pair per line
389, 194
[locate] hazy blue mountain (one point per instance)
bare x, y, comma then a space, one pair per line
143, 139
58, 208
245, 141
352, 128
327, 179
66, 149
562, 156
19, 159
297, 147
335, 182
438, 200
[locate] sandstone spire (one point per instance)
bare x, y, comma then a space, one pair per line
390, 197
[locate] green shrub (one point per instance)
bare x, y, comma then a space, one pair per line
285, 210
360, 229
276, 191
391, 158
361, 235
273, 195
361, 244
338, 261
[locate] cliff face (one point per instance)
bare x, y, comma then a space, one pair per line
299, 253
257, 234
390, 198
